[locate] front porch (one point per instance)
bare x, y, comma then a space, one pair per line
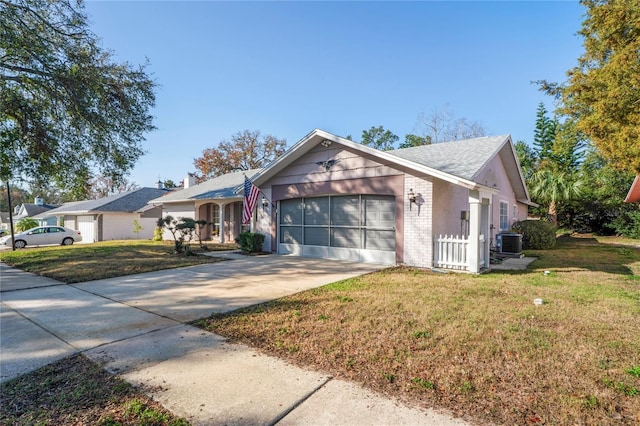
224, 220
471, 252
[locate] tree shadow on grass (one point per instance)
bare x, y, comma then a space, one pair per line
587, 253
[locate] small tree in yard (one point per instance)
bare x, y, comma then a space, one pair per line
137, 227
198, 229
170, 224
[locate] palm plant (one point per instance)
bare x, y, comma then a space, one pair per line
552, 187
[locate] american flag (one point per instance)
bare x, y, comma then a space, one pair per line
251, 193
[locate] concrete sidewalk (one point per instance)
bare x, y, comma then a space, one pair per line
135, 327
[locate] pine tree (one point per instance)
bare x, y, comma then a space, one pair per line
544, 134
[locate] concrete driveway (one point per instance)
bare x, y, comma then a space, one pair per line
135, 326
42, 320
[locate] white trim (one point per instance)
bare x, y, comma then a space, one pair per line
500, 228
317, 136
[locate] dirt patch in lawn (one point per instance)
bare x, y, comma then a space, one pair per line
76, 391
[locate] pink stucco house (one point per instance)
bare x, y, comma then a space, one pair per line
438, 205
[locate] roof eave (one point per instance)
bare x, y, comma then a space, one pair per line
298, 150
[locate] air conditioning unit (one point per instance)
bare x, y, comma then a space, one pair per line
509, 243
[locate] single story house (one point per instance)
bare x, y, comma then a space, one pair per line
111, 218
218, 201
438, 205
34, 210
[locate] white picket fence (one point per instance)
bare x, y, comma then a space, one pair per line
452, 252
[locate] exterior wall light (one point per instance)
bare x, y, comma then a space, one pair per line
265, 202
326, 143
412, 198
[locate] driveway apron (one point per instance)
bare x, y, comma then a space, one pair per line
135, 326
42, 320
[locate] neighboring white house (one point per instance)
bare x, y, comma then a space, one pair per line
111, 218
34, 210
438, 205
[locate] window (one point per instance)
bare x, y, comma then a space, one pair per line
504, 216
215, 219
515, 213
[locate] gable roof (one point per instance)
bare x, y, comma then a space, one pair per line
31, 210
634, 192
126, 202
229, 185
458, 162
463, 158
468, 158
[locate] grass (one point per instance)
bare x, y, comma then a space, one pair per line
475, 344
78, 391
107, 259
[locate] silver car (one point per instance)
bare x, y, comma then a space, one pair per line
42, 236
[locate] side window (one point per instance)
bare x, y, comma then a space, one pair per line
504, 216
515, 213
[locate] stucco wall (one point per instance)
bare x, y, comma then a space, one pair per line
119, 226
449, 201
348, 165
264, 222
495, 175
178, 210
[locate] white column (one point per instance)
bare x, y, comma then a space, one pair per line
484, 229
222, 206
474, 231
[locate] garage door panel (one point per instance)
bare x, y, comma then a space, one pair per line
291, 235
345, 237
348, 227
316, 236
380, 240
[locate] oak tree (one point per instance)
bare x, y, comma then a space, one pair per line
68, 109
244, 151
379, 138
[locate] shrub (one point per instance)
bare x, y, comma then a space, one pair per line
157, 233
536, 234
250, 242
26, 223
627, 224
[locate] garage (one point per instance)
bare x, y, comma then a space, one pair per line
86, 226
350, 227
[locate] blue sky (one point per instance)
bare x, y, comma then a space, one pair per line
285, 68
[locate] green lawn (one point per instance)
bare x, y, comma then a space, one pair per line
472, 344
85, 262
475, 344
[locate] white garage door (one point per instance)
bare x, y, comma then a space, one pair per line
86, 226
349, 227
